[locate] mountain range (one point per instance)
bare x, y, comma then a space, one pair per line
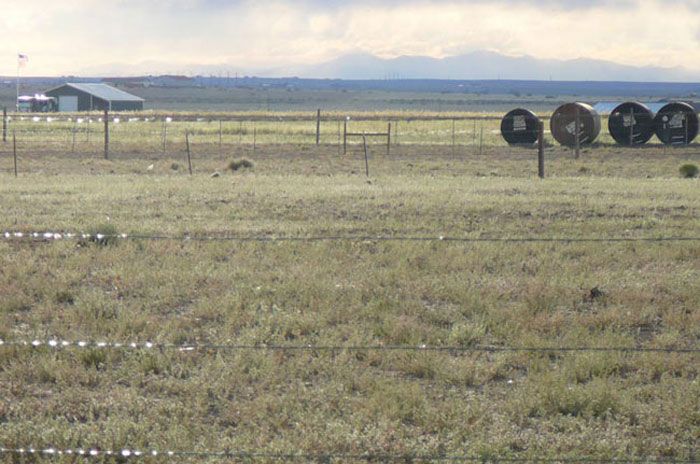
477, 65
481, 65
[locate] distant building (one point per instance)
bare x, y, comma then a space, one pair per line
36, 104
94, 97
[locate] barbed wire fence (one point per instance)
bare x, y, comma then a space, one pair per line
114, 134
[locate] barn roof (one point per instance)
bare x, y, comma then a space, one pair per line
101, 91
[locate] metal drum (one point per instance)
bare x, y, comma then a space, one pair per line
631, 123
563, 124
520, 127
676, 124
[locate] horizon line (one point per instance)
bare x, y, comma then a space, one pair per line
368, 79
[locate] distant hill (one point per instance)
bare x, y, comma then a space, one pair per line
485, 65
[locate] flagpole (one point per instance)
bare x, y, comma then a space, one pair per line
17, 86
17, 89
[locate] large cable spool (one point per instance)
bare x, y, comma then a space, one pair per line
520, 127
676, 124
563, 124
631, 123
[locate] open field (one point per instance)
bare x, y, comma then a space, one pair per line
354, 292
276, 99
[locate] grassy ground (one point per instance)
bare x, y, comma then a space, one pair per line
327, 160
607, 405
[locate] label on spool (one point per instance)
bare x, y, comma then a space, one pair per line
519, 124
571, 128
677, 121
628, 120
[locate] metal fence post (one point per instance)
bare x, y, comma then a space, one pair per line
165, 134
74, 130
14, 150
220, 139
4, 124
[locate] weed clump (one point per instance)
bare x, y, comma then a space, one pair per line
65, 297
103, 234
175, 167
93, 359
242, 163
689, 170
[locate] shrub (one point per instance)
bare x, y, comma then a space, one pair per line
242, 163
104, 234
689, 170
175, 166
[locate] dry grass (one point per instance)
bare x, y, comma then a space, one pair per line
606, 405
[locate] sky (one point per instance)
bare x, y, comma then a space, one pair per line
122, 37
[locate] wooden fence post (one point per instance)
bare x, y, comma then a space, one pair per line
481, 139
540, 149
364, 142
345, 136
318, 127
388, 140
4, 124
189, 157
106, 122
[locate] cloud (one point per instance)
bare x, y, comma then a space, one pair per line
72, 36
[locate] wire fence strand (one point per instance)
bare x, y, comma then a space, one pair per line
55, 236
132, 454
187, 347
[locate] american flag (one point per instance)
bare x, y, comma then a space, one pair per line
22, 59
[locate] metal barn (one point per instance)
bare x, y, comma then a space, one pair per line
98, 97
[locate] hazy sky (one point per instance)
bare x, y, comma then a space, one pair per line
130, 36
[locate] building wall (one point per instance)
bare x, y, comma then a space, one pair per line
86, 102
83, 98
